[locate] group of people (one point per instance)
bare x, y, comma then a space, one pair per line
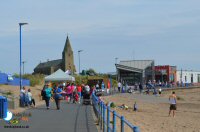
103, 87
157, 90
69, 92
26, 98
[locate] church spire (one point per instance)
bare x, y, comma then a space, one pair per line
67, 44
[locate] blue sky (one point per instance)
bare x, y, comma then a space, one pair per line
166, 31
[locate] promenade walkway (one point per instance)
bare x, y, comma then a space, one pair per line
71, 118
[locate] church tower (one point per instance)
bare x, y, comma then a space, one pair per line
68, 57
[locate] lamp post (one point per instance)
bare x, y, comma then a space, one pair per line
79, 60
20, 38
23, 62
116, 60
116, 68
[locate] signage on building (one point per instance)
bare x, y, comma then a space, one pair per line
10, 78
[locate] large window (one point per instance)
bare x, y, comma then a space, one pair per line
191, 78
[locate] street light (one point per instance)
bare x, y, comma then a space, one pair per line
20, 38
79, 60
116, 68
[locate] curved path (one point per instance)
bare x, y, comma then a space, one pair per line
71, 118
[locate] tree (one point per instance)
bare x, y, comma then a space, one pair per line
91, 72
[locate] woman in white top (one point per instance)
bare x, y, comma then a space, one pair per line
30, 98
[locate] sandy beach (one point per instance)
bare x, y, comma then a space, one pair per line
152, 115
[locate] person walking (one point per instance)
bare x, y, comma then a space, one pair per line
97, 86
108, 87
141, 88
72, 90
47, 95
102, 86
67, 91
30, 98
119, 86
173, 102
79, 89
57, 96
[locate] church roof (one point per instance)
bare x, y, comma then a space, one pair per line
47, 64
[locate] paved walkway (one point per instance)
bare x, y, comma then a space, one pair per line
71, 118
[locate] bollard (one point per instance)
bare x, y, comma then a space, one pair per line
108, 119
104, 118
136, 129
122, 123
114, 121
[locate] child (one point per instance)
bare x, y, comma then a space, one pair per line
76, 97
160, 91
135, 107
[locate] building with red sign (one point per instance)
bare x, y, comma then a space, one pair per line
165, 73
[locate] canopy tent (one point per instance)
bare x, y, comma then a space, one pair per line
59, 75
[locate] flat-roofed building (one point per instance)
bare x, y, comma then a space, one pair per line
188, 76
135, 71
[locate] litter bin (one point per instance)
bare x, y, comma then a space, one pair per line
3, 107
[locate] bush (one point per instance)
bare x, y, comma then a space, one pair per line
112, 105
8, 93
81, 79
180, 98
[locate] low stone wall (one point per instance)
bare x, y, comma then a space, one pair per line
13, 101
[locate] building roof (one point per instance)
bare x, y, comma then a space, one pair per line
49, 64
138, 64
128, 68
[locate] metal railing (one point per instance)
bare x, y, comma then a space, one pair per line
107, 117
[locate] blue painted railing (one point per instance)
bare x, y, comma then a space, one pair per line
104, 113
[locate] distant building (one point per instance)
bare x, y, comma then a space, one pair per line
165, 73
66, 63
188, 76
135, 71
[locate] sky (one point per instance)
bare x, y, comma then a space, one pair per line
167, 31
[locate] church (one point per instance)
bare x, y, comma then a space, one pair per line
66, 63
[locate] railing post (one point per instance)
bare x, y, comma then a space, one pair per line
136, 129
99, 113
104, 118
101, 127
108, 119
114, 121
122, 123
